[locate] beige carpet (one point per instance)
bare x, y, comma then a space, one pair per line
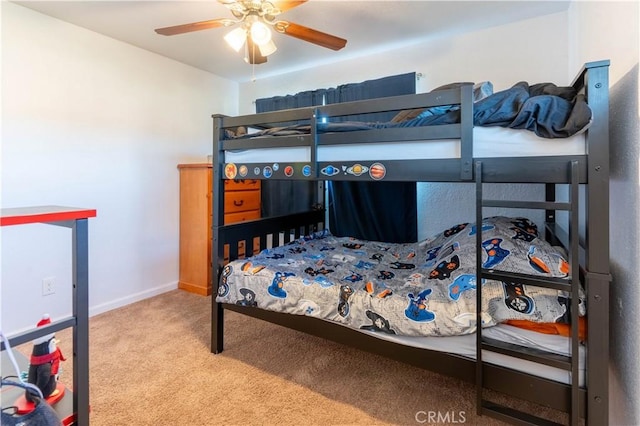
150, 365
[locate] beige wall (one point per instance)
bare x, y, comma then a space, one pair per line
609, 30
92, 122
533, 50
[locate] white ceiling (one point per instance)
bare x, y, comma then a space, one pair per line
369, 26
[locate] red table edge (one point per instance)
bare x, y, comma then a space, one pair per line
46, 216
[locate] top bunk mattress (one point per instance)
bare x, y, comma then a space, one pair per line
525, 120
488, 142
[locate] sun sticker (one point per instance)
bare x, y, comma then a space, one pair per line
230, 171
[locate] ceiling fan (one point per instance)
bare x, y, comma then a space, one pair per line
256, 18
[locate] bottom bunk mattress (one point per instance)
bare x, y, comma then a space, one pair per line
466, 346
418, 289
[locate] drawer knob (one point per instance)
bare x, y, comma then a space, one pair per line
238, 203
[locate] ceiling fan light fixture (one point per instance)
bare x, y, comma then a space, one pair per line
268, 48
260, 33
236, 38
257, 19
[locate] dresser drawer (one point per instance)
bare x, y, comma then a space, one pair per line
239, 201
241, 216
241, 185
242, 249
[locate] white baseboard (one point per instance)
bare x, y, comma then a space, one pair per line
105, 307
132, 298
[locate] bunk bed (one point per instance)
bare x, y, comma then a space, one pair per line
447, 148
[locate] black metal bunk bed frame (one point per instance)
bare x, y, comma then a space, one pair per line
588, 254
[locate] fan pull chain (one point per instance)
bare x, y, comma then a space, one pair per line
253, 63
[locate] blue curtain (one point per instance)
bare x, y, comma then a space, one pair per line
380, 211
280, 197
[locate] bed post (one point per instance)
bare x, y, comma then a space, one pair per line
549, 214
595, 78
217, 253
466, 132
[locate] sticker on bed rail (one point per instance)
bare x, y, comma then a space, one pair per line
330, 170
306, 170
243, 171
377, 171
267, 172
357, 169
230, 171
256, 171
288, 171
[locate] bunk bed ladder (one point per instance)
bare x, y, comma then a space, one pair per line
571, 285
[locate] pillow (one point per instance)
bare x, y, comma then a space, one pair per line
236, 132
407, 114
480, 91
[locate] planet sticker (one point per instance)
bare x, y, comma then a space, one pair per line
288, 171
230, 171
377, 171
242, 170
330, 171
306, 170
267, 172
256, 170
357, 169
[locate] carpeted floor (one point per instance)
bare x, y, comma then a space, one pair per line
150, 365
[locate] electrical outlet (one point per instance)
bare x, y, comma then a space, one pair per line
48, 286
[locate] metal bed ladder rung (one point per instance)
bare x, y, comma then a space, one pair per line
571, 285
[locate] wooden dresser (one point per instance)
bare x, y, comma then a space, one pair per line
242, 202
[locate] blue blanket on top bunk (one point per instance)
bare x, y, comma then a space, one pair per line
546, 109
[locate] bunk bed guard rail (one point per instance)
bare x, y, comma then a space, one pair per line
398, 170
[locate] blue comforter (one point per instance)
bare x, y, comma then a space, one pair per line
547, 110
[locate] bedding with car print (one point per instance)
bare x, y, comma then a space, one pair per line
417, 289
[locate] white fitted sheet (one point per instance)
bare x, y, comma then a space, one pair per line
488, 142
466, 346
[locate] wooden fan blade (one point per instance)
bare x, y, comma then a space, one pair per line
284, 5
312, 36
253, 53
195, 26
